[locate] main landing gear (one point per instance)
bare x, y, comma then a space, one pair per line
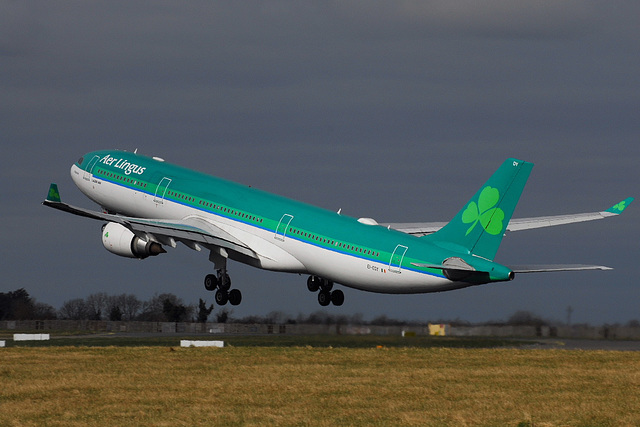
325, 296
222, 282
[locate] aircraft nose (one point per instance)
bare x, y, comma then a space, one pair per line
76, 174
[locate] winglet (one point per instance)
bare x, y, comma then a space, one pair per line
618, 208
54, 194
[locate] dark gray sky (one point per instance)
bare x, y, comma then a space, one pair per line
392, 110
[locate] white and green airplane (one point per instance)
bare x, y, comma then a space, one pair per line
149, 204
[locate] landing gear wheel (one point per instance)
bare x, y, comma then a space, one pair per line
222, 296
313, 283
210, 282
337, 297
324, 298
235, 297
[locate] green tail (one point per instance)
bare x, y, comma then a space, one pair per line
479, 227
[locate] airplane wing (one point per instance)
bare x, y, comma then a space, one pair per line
517, 224
193, 231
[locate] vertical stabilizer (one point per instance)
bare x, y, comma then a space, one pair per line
479, 227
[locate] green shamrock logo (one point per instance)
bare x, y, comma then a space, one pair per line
484, 211
620, 206
53, 194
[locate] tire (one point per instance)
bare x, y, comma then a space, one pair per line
235, 297
324, 298
313, 283
337, 297
222, 297
210, 282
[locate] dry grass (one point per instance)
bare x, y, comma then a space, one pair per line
317, 386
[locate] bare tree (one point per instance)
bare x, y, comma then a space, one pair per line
96, 305
74, 309
42, 311
123, 306
130, 306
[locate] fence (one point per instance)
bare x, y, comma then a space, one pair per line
184, 328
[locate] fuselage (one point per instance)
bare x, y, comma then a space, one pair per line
286, 235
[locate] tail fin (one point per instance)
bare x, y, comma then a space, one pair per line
479, 227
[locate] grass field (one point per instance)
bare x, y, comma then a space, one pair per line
317, 385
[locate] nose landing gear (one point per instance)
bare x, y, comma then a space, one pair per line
325, 296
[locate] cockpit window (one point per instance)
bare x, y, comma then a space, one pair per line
80, 160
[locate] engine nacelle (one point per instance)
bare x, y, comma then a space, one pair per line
119, 240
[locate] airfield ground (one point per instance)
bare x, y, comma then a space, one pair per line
316, 381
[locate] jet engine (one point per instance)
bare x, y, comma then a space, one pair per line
119, 240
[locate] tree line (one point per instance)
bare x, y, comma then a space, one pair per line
164, 307
167, 307
19, 305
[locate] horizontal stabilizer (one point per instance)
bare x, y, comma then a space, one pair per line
459, 273
458, 270
556, 267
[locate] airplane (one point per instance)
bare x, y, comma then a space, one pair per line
149, 204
